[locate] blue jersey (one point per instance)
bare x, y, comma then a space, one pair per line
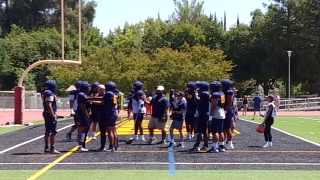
49, 96
191, 102
110, 101
257, 101
203, 106
178, 106
229, 92
82, 98
159, 103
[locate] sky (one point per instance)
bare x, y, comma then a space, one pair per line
113, 13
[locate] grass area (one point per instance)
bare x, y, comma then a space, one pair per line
8, 129
305, 127
163, 174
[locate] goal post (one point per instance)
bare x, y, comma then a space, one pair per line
19, 105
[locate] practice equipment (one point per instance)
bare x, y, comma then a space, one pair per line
260, 128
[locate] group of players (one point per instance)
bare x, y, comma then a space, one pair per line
209, 109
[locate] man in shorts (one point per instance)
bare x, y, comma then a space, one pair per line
158, 119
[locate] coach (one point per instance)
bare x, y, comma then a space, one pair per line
158, 119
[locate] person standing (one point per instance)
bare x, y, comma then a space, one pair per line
268, 121
94, 116
191, 120
177, 115
256, 105
50, 116
158, 119
245, 105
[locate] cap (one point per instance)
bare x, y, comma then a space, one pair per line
160, 88
180, 93
101, 86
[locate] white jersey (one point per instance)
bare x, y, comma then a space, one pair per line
273, 113
138, 105
73, 97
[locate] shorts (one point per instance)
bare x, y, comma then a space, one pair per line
94, 117
111, 121
256, 108
82, 121
177, 125
190, 117
50, 126
245, 105
155, 124
202, 123
130, 104
227, 123
138, 117
217, 126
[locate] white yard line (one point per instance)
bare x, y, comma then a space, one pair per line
298, 137
27, 142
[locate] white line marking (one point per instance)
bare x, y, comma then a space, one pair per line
303, 139
311, 118
27, 142
311, 132
163, 163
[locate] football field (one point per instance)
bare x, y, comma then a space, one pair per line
295, 154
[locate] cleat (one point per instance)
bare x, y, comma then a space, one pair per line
82, 149
213, 150
101, 149
188, 137
68, 137
162, 142
135, 137
194, 137
266, 144
270, 144
222, 148
194, 149
141, 138
170, 145
204, 148
110, 149
46, 151
53, 151
152, 141
229, 147
180, 145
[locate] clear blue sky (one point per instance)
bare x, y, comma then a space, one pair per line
113, 13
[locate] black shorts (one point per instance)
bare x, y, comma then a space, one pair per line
190, 117
130, 104
82, 121
202, 124
138, 117
94, 117
50, 126
217, 126
227, 123
111, 121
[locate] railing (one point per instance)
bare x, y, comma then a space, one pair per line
307, 104
294, 104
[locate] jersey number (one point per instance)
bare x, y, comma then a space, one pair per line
115, 99
223, 99
234, 103
189, 96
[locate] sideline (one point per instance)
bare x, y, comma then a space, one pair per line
298, 137
163, 163
34, 139
55, 162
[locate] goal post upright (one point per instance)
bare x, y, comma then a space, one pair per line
19, 98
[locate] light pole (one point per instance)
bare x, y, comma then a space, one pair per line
289, 56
